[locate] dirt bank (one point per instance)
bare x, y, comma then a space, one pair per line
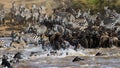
5, 30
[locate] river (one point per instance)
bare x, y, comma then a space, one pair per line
111, 59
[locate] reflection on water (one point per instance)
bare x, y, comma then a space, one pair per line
41, 60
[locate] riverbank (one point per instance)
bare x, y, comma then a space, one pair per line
5, 30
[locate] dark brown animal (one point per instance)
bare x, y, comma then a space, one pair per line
104, 40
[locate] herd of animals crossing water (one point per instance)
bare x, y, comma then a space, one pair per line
63, 29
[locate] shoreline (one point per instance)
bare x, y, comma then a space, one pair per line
5, 30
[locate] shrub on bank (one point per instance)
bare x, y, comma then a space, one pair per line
96, 5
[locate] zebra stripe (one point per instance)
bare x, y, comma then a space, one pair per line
2, 43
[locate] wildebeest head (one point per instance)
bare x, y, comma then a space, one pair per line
18, 55
5, 63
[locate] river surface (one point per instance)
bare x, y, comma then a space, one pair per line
111, 59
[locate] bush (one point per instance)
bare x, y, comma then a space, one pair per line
96, 5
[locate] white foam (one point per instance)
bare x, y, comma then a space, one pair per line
72, 52
34, 49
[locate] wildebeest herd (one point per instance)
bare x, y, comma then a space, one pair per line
64, 27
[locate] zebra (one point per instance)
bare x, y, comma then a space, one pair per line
42, 10
31, 39
2, 17
2, 44
35, 16
78, 13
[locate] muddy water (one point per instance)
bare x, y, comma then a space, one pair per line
111, 59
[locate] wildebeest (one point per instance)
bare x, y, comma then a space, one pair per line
19, 43
77, 59
104, 40
5, 62
17, 56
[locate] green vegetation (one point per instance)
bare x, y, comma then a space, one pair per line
96, 5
